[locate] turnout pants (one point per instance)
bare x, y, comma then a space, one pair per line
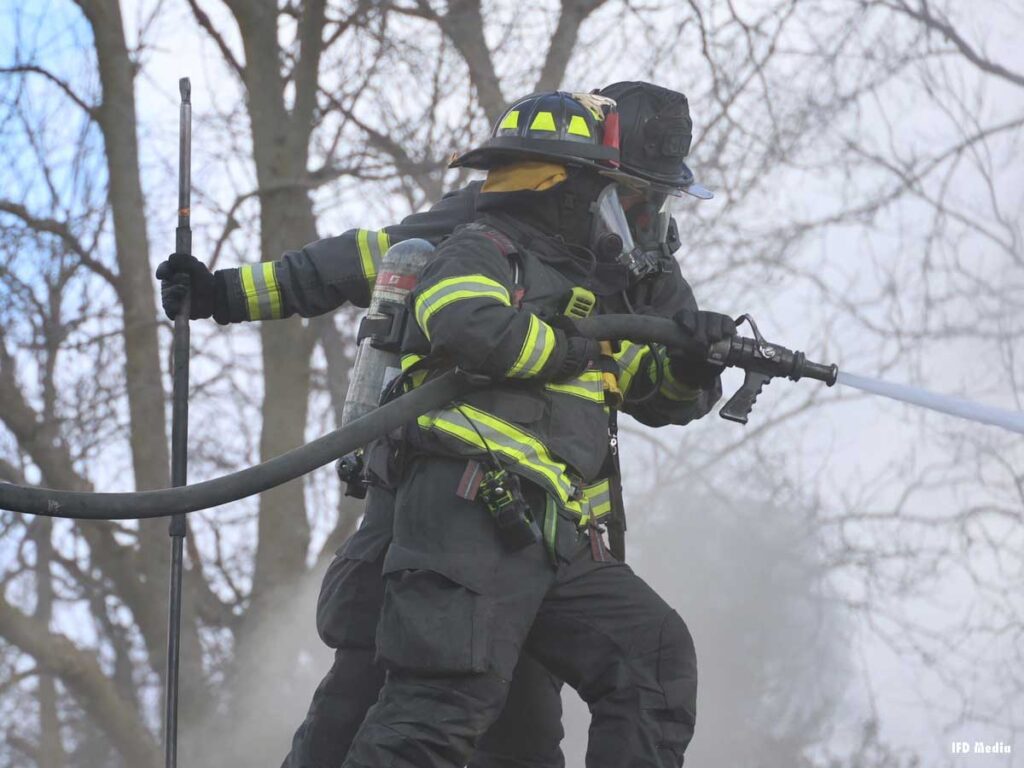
528, 732
459, 609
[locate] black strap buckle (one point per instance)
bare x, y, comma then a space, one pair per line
385, 327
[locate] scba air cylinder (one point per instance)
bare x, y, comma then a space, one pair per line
378, 360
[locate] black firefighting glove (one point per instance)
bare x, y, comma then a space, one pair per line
580, 351
688, 360
184, 275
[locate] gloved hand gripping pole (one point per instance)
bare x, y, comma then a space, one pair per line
179, 429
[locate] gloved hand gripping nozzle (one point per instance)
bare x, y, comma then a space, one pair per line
762, 361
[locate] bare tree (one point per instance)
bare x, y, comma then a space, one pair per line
862, 157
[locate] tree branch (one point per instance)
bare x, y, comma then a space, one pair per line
463, 24
84, 678
944, 27
90, 109
203, 20
62, 231
563, 41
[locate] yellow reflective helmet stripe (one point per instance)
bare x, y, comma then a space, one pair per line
453, 289
536, 350
578, 126
372, 247
589, 385
262, 291
544, 121
511, 121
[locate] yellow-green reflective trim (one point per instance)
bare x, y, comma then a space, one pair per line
273, 291
629, 358
511, 121
589, 385
372, 247
544, 121
598, 497
671, 387
408, 361
550, 527
529, 455
453, 289
578, 126
536, 350
249, 287
262, 293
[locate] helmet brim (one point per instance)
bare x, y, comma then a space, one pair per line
506, 150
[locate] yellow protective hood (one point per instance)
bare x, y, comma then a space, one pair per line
529, 176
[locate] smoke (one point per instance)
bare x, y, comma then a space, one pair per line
769, 649
265, 698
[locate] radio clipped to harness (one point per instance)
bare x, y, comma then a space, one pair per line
502, 495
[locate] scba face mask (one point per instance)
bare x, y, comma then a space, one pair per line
632, 227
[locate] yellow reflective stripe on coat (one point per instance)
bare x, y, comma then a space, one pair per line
537, 348
528, 455
589, 385
671, 387
598, 498
629, 358
453, 289
417, 377
372, 247
262, 292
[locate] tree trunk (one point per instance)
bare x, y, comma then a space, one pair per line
146, 394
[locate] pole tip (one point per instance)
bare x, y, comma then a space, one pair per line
185, 88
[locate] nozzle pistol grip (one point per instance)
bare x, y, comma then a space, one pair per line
740, 404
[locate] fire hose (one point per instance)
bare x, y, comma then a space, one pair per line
760, 359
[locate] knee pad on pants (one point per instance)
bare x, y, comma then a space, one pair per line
425, 721
528, 732
674, 708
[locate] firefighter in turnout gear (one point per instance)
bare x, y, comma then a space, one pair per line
497, 545
317, 279
308, 282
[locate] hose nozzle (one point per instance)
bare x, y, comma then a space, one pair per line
762, 361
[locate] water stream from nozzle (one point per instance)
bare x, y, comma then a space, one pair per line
954, 406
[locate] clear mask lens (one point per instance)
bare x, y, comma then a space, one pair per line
610, 222
649, 216
630, 226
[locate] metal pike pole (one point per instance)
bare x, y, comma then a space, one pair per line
179, 429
